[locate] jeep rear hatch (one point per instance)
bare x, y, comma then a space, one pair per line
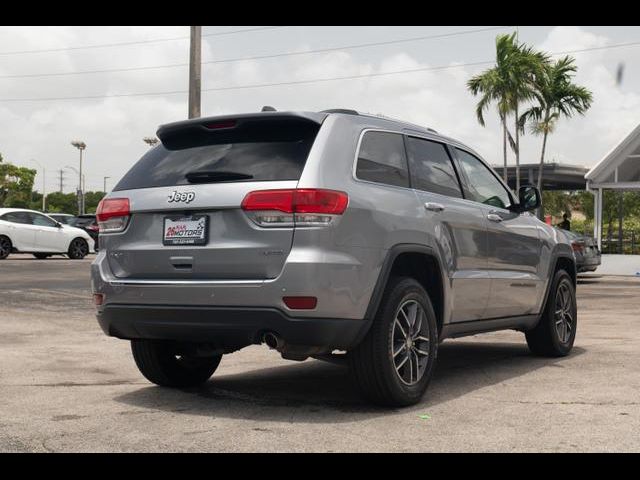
197, 178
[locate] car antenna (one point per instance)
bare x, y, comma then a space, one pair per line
268, 108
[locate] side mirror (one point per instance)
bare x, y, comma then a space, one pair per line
529, 198
58, 224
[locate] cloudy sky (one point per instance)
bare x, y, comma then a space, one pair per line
38, 120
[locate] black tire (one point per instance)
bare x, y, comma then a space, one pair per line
78, 249
41, 256
5, 247
552, 337
160, 364
380, 375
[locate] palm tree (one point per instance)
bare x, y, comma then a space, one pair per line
527, 66
556, 96
493, 85
509, 82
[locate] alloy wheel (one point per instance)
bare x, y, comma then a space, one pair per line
410, 342
563, 315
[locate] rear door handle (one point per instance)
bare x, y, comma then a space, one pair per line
434, 207
494, 217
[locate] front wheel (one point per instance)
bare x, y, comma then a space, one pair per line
78, 249
5, 247
394, 363
555, 333
164, 364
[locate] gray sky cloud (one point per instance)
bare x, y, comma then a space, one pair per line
113, 127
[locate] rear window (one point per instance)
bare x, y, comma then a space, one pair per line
258, 152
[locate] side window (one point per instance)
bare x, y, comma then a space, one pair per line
481, 185
431, 168
16, 217
41, 220
381, 159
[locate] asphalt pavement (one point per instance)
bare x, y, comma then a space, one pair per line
65, 386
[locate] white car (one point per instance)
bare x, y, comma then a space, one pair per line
27, 231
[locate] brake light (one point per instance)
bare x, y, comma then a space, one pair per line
301, 206
577, 247
221, 125
113, 214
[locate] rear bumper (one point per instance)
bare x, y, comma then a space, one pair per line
229, 328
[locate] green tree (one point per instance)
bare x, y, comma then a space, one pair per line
16, 184
91, 200
556, 97
58, 202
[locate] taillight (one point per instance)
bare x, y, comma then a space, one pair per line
577, 247
113, 214
301, 206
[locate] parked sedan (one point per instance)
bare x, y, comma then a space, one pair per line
586, 251
27, 231
89, 224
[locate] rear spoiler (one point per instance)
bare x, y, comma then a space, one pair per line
263, 126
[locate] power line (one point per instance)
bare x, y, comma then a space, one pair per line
297, 82
139, 42
263, 57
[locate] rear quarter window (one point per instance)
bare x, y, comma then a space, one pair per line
382, 159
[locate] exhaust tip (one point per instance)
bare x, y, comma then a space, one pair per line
272, 340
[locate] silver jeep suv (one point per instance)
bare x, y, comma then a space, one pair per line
333, 235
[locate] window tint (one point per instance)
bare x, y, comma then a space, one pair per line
16, 217
268, 151
481, 185
63, 219
41, 220
82, 222
431, 168
381, 159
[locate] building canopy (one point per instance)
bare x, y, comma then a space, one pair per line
619, 170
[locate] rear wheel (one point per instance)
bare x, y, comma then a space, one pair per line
41, 256
555, 333
394, 363
5, 247
78, 249
162, 363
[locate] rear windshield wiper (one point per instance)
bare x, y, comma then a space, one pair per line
212, 177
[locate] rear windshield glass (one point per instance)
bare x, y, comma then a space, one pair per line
257, 153
82, 222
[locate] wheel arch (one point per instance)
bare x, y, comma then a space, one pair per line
419, 262
560, 260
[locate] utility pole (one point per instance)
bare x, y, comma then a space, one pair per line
104, 189
195, 65
80, 145
61, 179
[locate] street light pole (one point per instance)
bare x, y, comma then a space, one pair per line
105, 185
80, 145
195, 52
